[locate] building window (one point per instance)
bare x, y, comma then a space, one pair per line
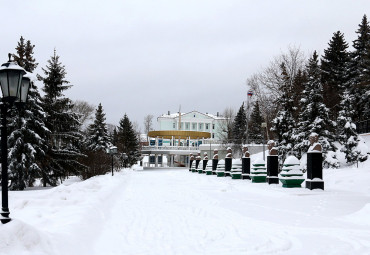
187, 125
200, 126
207, 126
194, 115
174, 125
213, 126
213, 135
194, 126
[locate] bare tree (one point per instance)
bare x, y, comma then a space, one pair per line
84, 110
137, 130
227, 125
148, 125
110, 128
267, 83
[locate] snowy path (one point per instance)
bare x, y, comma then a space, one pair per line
177, 212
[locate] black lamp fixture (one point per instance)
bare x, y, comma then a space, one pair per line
112, 151
14, 86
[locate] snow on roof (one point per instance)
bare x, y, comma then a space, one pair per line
175, 115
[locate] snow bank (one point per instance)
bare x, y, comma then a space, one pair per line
61, 220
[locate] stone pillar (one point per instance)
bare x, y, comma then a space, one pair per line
197, 161
228, 162
156, 160
228, 165
314, 164
214, 161
314, 171
191, 159
272, 169
246, 163
205, 161
246, 168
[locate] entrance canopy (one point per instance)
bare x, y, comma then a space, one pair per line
179, 134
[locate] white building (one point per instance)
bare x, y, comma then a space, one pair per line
181, 134
193, 121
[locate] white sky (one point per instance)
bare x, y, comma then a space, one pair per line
148, 57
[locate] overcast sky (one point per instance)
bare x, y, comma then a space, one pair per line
148, 57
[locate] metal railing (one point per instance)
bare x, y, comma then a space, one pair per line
179, 148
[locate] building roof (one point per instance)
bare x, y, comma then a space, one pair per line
176, 115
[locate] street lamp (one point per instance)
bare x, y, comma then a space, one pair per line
112, 151
263, 125
14, 89
124, 158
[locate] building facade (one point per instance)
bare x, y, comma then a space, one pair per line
193, 121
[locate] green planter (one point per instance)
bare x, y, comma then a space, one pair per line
258, 171
220, 173
291, 183
209, 172
200, 171
258, 178
236, 175
291, 175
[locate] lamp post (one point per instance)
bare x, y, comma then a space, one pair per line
112, 151
263, 125
14, 87
124, 158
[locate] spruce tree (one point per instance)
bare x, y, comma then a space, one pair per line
347, 129
298, 87
127, 140
239, 126
314, 116
27, 130
283, 123
115, 137
24, 56
97, 137
255, 131
360, 71
64, 143
334, 71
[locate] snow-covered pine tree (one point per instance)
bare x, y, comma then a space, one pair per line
298, 87
348, 136
127, 140
283, 123
97, 133
360, 71
314, 116
334, 72
27, 130
239, 126
255, 131
65, 139
115, 137
97, 141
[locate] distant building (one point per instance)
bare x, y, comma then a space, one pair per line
193, 121
181, 134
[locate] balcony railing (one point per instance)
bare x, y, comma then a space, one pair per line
163, 148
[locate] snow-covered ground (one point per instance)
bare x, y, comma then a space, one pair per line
173, 211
